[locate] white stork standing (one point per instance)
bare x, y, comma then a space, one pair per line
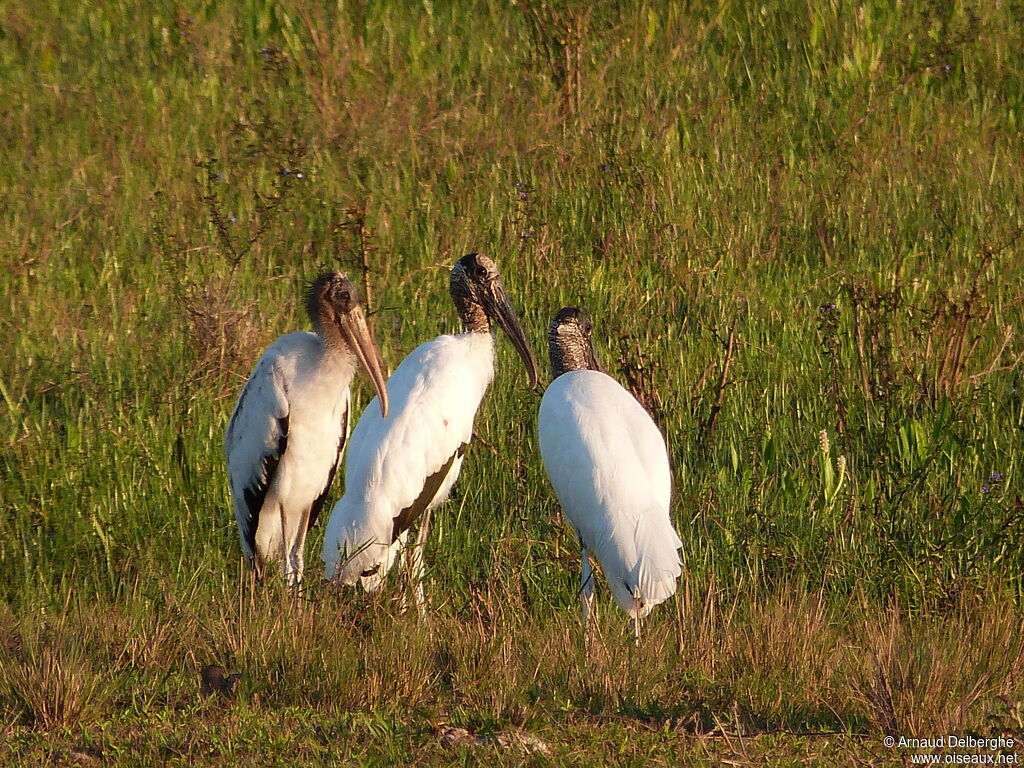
607, 462
290, 425
400, 467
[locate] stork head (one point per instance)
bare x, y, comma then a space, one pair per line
337, 315
481, 300
570, 343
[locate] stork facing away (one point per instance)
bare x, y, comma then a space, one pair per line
290, 425
609, 467
399, 468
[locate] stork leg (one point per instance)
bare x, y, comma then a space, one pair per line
416, 569
258, 568
636, 621
298, 551
286, 555
298, 562
586, 587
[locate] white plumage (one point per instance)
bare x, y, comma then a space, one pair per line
400, 467
290, 425
609, 467
434, 395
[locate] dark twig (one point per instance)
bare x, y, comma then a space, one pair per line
723, 381
361, 249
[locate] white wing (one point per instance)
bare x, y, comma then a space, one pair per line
407, 462
256, 438
609, 468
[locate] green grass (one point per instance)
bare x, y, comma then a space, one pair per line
836, 188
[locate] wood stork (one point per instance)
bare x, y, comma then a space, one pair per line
291, 422
609, 467
400, 467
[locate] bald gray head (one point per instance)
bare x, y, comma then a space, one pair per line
331, 295
570, 343
337, 315
473, 276
481, 300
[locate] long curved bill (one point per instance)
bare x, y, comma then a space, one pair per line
501, 309
360, 340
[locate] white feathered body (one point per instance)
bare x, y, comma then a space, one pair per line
609, 467
287, 433
434, 395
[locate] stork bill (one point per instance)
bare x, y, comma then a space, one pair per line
290, 424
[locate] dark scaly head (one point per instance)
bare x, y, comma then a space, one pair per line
337, 315
571, 343
481, 301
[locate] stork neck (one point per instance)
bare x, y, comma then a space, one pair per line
474, 319
569, 355
334, 342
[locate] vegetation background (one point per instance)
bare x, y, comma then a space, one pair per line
796, 226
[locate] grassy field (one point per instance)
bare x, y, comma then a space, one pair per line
796, 227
